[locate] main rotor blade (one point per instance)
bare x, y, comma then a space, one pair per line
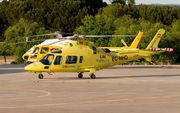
41, 35
30, 37
27, 42
110, 35
96, 36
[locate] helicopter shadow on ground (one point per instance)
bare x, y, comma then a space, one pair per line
145, 67
115, 77
135, 76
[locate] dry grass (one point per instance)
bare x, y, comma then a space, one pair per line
9, 59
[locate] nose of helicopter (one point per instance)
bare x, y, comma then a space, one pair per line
37, 66
25, 57
29, 67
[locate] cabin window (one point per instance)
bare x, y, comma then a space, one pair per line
94, 50
81, 59
106, 50
47, 60
57, 51
36, 50
44, 50
34, 56
71, 59
58, 60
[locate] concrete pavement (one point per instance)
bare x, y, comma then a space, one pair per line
125, 89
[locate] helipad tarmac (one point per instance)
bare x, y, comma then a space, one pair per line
119, 89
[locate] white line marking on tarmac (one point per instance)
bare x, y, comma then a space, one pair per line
47, 93
88, 102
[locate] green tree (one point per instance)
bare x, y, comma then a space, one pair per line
6, 50
124, 26
15, 11
162, 14
3, 20
118, 1
19, 31
98, 25
63, 15
118, 10
172, 39
54, 15
114, 11
131, 2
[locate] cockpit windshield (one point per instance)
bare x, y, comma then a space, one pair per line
36, 50
47, 60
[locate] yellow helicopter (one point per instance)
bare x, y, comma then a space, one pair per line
84, 56
49, 45
38, 51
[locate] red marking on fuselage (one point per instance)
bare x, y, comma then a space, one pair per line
103, 56
81, 43
136, 55
52, 49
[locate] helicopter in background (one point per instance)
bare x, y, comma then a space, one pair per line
49, 45
84, 56
38, 51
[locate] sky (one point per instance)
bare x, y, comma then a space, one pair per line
153, 1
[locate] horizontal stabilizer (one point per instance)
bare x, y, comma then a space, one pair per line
160, 49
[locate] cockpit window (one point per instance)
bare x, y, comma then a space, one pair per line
58, 60
71, 59
94, 50
47, 60
36, 50
44, 50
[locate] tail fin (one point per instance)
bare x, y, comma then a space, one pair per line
155, 41
136, 40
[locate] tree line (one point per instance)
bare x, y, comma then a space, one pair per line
119, 19
61, 15
21, 18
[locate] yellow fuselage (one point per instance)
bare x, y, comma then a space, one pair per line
85, 57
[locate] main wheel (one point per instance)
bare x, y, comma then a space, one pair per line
40, 76
93, 76
80, 75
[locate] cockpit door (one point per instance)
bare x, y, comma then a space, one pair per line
56, 66
35, 52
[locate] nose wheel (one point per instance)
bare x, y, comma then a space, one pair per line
40, 76
80, 75
92, 76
